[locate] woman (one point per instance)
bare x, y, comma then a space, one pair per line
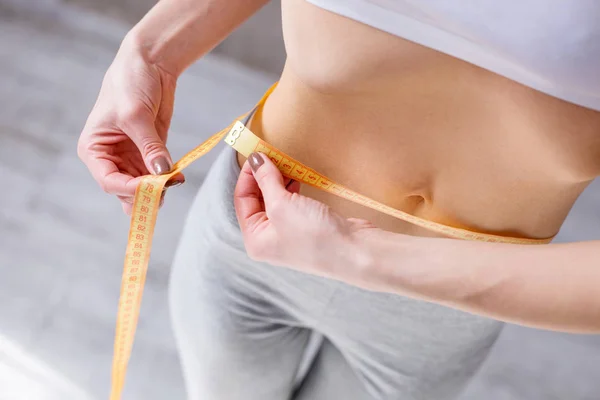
483, 116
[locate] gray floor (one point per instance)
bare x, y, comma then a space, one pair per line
62, 240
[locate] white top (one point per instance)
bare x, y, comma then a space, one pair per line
549, 45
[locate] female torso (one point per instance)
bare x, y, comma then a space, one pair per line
425, 132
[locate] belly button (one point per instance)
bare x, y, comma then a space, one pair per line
417, 200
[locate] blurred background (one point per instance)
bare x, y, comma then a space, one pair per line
62, 240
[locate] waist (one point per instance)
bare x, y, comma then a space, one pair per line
445, 151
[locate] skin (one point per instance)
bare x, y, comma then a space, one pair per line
418, 130
552, 287
126, 132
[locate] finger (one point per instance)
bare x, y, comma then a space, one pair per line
247, 199
126, 199
127, 207
110, 179
360, 223
177, 180
293, 186
139, 125
269, 179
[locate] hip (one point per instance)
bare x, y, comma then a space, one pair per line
428, 347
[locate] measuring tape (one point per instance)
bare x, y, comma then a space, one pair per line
145, 210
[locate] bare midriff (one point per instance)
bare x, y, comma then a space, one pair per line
425, 132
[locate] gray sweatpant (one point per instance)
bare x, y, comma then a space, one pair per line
243, 327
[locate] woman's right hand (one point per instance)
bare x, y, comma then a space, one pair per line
126, 132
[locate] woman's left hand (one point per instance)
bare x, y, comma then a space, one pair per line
283, 228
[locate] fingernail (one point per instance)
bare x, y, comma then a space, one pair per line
161, 166
255, 161
171, 184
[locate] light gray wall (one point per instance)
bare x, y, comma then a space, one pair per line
257, 43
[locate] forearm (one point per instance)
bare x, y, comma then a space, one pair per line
175, 33
553, 286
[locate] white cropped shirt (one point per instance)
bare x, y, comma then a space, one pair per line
550, 45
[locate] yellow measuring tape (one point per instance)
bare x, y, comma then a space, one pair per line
145, 209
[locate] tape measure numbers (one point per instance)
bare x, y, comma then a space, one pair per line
145, 210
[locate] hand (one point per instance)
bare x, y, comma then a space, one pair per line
281, 227
126, 132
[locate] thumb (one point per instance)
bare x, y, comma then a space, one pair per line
268, 177
152, 148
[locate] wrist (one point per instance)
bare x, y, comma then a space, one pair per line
396, 260
358, 258
175, 33
152, 51
383, 261
419, 267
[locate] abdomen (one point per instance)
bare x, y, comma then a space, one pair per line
424, 132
